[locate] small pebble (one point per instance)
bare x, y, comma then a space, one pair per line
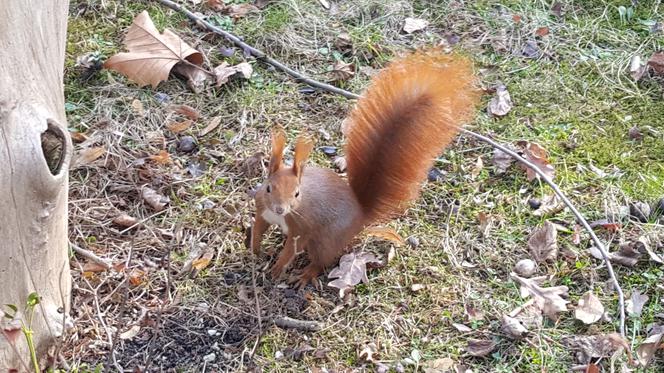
186, 144
413, 241
534, 203
278, 355
435, 175
210, 357
212, 332
525, 268
639, 211
330, 151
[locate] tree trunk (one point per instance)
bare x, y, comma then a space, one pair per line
35, 152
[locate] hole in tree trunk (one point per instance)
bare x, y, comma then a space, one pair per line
53, 146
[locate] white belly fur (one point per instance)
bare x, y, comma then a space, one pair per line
273, 218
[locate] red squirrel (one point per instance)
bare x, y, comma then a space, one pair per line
410, 112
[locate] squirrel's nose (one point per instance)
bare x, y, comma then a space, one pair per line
279, 210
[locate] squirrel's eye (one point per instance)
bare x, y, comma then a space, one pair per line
268, 189
297, 194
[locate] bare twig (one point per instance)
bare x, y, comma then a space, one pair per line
290, 323
600, 246
91, 256
258, 307
262, 57
259, 55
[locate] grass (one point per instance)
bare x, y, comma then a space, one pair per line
576, 99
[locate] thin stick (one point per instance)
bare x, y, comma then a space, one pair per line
290, 323
90, 255
262, 57
259, 55
258, 307
600, 246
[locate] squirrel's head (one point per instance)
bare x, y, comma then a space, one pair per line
282, 188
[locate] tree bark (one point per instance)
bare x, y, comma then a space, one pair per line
35, 152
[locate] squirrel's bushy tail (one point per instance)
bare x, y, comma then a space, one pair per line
410, 112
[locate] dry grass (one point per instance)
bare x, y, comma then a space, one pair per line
574, 90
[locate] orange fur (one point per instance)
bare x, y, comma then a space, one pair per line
409, 113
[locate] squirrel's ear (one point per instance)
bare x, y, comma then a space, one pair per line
303, 147
277, 152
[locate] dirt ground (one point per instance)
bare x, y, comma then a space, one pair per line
184, 294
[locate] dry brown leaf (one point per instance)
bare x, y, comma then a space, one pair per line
597, 346
636, 68
125, 220
549, 300
542, 31
89, 155
187, 111
646, 351
513, 327
342, 71
461, 327
240, 10
590, 309
626, 255
443, 365
224, 71
214, 123
385, 233
501, 161
411, 25
368, 352
93, 267
136, 277
479, 165
550, 205
155, 200
480, 348
216, 5
351, 271
501, 103
592, 368
151, 55
162, 157
485, 222
201, 263
131, 333
177, 127
543, 243
137, 106
656, 62
536, 154
635, 303
78, 137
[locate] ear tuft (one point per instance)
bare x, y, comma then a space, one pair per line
278, 146
303, 147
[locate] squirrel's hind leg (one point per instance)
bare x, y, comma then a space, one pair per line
309, 275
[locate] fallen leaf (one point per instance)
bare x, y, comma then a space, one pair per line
214, 123
656, 62
136, 277
351, 271
461, 327
155, 200
94, 267
342, 71
543, 243
590, 309
542, 31
646, 351
513, 327
177, 127
480, 348
202, 262
597, 346
137, 106
636, 68
216, 5
162, 157
385, 233
187, 111
89, 155
151, 55
442, 365
516, 18
479, 165
536, 154
606, 224
224, 71
368, 352
78, 137
125, 220
414, 24
501, 103
626, 255
550, 205
592, 368
635, 303
131, 333
501, 161
240, 10
485, 221
549, 300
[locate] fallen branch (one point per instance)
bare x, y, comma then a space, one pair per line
259, 55
304, 325
91, 256
264, 58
